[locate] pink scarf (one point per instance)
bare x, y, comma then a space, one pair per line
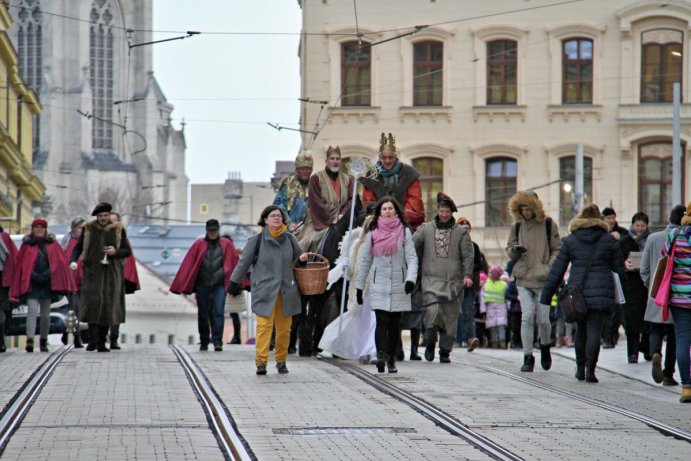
386, 236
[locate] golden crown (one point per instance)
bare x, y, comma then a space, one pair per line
304, 160
387, 143
333, 150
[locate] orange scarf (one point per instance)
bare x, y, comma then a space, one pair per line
278, 231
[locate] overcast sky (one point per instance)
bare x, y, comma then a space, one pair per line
227, 87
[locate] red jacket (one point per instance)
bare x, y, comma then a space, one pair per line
60, 277
184, 280
10, 262
131, 276
79, 273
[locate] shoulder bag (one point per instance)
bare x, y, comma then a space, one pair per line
571, 301
663, 292
661, 269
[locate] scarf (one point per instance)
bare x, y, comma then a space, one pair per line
640, 239
278, 232
686, 220
386, 236
444, 225
390, 177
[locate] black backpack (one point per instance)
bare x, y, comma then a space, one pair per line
548, 229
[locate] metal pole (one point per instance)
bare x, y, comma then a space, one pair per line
676, 146
578, 186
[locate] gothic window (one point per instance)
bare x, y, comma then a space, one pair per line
655, 180
30, 54
101, 57
567, 173
427, 73
577, 71
431, 180
355, 74
500, 185
661, 62
502, 72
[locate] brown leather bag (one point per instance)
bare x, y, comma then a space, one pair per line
660, 270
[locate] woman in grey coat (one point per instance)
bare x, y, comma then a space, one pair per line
275, 296
389, 262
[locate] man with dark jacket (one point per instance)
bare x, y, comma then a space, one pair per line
533, 245
610, 329
615, 230
466, 325
206, 271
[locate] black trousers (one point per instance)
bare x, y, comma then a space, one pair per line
636, 329
657, 332
587, 343
387, 331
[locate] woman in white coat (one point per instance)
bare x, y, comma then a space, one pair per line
388, 262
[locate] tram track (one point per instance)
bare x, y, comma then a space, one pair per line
426, 409
17, 408
231, 443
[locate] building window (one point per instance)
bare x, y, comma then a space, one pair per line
500, 185
502, 71
655, 180
427, 73
661, 62
567, 189
30, 54
101, 74
355, 74
577, 71
431, 180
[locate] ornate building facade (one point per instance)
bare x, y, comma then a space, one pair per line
105, 131
487, 106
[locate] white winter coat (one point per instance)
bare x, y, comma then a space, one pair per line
387, 275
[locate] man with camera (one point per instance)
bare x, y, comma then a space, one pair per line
533, 246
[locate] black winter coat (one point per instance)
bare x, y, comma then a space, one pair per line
589, 237
635, 292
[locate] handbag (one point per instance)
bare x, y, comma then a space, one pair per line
662, 297
571, 301
660, 270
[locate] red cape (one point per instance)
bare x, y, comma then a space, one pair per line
60, 277
79, 273
11, 262
184, 280
131, 276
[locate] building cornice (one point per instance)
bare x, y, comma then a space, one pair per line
499, 31
642, 9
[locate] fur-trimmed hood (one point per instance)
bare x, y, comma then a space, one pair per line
581, 223
530, 200
31, 240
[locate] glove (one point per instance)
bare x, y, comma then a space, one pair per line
358, 295
409, 287
234, 289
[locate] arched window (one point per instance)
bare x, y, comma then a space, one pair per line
502, 71
101, 58
655, 180
661, 62
500, 185
577, 71
355, 74
567, 173
427, 73
432, 181
30, 54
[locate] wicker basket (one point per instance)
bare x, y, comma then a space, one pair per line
311, 277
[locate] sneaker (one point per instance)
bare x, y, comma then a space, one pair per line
218, 347
282, 368
261, 369
473, 343
657, 368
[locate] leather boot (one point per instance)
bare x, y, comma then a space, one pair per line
590, 374
429, 351
528, 363
101, 341
114, 345
414, 340
43, 344
545, 357
391, 364
381, 364
400, 355
78, 339
29, 345
580, 372
444, 356
93, 337
3, 348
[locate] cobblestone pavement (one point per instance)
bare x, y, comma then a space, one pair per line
138, 404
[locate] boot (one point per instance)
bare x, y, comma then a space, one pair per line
101, 340
114, 343
29, 345
568, 341
590, 374
3, 348
381, 364
391, 364
528, 363
657, 368
43, 344
93, 337
78, 339
400, 356
236, 339
444, 356
429, 351
545, 357
580, 372
65, 338
414, 340
685, 394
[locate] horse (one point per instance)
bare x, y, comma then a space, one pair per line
320, 310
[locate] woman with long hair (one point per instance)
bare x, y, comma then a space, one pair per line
388, 262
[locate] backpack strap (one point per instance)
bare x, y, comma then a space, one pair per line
548, 229
260, 237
